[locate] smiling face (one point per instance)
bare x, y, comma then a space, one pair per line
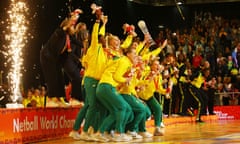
155, 65
113, 42
68, 26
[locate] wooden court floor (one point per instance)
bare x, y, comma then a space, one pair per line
210, 132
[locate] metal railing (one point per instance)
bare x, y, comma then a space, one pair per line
234, 98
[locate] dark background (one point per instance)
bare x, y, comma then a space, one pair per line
46, 15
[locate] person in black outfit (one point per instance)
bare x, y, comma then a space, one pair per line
210, 89
196, 90
50, 58
185, 73
72, 67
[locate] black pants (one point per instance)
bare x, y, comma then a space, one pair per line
72, 69
175, 99
198, 96
185, 98
210, 93
53, 76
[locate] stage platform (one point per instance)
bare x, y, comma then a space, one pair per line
27, 125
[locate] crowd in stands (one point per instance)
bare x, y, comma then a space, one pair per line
217, 40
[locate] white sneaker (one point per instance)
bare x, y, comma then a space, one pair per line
108, 135
134, 135
75, 135
146, 134
84, 136
158, 131
90, 130
63, 103
100, 137
74, 102
51, 103
162, 125
121, 138
56, 102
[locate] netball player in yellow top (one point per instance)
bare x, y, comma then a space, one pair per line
150, 83
137, 127
113, 76
94, 62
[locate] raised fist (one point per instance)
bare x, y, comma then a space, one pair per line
97, 10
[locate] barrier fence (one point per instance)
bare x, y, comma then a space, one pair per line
232, 97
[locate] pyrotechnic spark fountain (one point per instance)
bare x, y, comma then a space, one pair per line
17, 39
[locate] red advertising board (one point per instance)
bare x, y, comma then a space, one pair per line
25, 125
